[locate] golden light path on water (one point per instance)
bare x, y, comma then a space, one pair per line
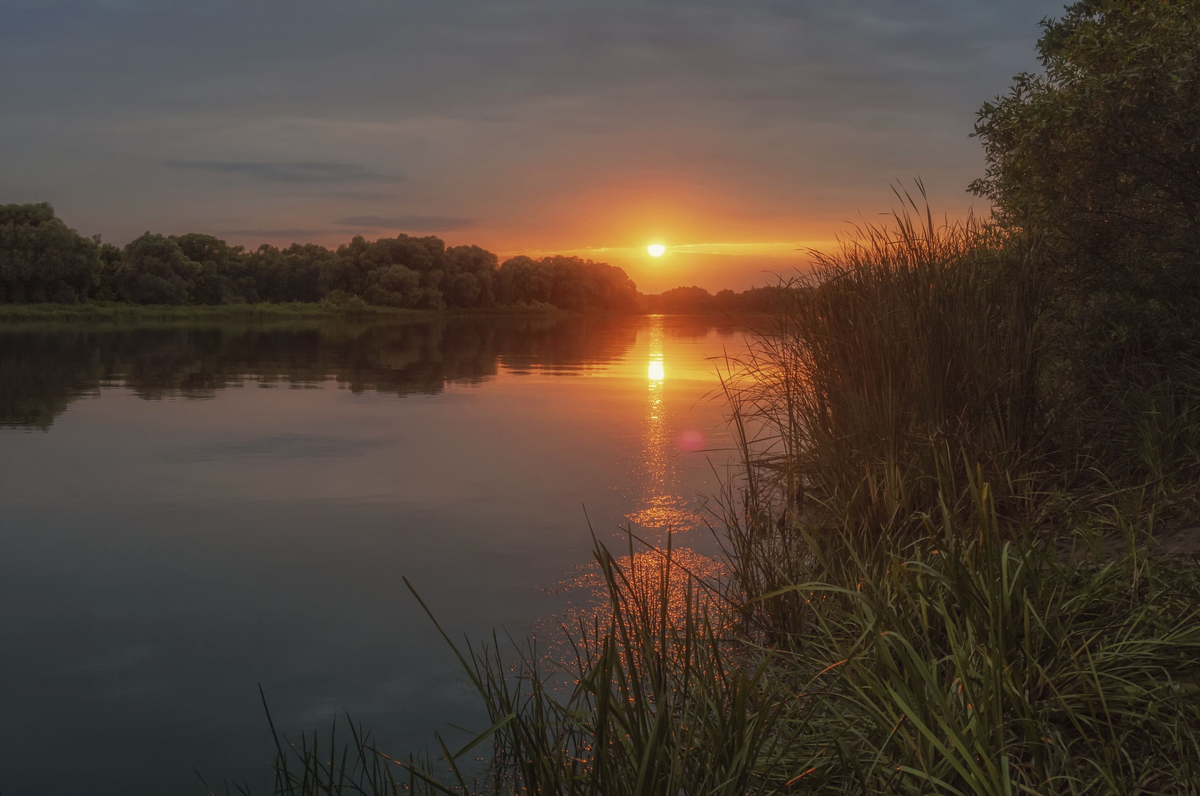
660, 509
646, 577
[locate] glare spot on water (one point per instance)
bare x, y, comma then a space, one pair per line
645, 578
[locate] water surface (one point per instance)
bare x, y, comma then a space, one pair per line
191, 511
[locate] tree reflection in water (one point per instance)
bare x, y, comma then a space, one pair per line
44, 369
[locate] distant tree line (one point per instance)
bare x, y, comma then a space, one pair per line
43, 260
698, 301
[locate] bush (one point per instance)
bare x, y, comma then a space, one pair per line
1100, 155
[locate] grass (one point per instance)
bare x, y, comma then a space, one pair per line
960, 663
937, 580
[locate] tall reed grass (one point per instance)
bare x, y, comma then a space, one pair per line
912, 341
912, 604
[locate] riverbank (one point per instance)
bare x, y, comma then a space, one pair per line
134, 313
951, 565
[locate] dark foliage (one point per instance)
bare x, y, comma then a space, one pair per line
567, 282
42, 260
698, 301
1100, 155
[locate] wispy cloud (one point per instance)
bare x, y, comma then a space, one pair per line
410, 223
296, 171
779, 249
548, 124
292, 234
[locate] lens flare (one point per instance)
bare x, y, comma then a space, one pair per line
656, 250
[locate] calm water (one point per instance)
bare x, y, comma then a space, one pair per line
188, 512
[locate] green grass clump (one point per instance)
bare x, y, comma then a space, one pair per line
974, 659
963, 662
970, 662
912, 340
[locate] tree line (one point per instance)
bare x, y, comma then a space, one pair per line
42, 260
694, 300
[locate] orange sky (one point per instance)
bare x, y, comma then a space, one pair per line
736, 134
711, 240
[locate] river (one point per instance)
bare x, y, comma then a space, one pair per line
190, 511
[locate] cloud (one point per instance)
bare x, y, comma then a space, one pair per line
525, 115
296, 171
410, 223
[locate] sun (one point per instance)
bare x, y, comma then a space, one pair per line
656, 250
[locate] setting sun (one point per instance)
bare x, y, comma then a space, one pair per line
656, 249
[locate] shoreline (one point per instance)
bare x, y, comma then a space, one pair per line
116, 312
119, 312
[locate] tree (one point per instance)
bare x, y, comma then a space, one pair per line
357, 262
42, 259
1099, 156
293, 274
224, 276
111, 258
567, 282
156, 271
394, 286
692, 300
471, 274
522, 280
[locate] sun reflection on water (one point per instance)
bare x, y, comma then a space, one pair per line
659, 469
660, 506
643, 578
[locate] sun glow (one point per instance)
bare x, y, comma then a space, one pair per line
655, 371
656, 250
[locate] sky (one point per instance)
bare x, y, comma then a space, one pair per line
738, 133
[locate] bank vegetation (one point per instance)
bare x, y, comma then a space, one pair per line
961, 544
